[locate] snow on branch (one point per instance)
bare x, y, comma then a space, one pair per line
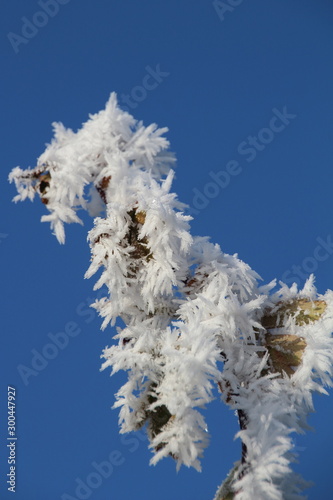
196, 319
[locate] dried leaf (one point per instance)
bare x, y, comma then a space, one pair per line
285, 351
303, 310
140, 217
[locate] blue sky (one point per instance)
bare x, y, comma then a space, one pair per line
246, 92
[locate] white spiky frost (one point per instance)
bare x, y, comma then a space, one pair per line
192, 314
111, 142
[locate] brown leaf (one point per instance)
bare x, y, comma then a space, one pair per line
285, 351
140, 217
303, 310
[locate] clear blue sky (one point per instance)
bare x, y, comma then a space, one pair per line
220, 79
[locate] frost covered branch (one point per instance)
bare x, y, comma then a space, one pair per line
195, 318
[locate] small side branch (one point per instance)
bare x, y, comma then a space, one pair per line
242, 418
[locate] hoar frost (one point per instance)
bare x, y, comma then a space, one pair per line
195, 318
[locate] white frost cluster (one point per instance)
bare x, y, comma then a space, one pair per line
192, 314
111, 142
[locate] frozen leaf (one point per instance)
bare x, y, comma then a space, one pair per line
303, 310
285, 351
